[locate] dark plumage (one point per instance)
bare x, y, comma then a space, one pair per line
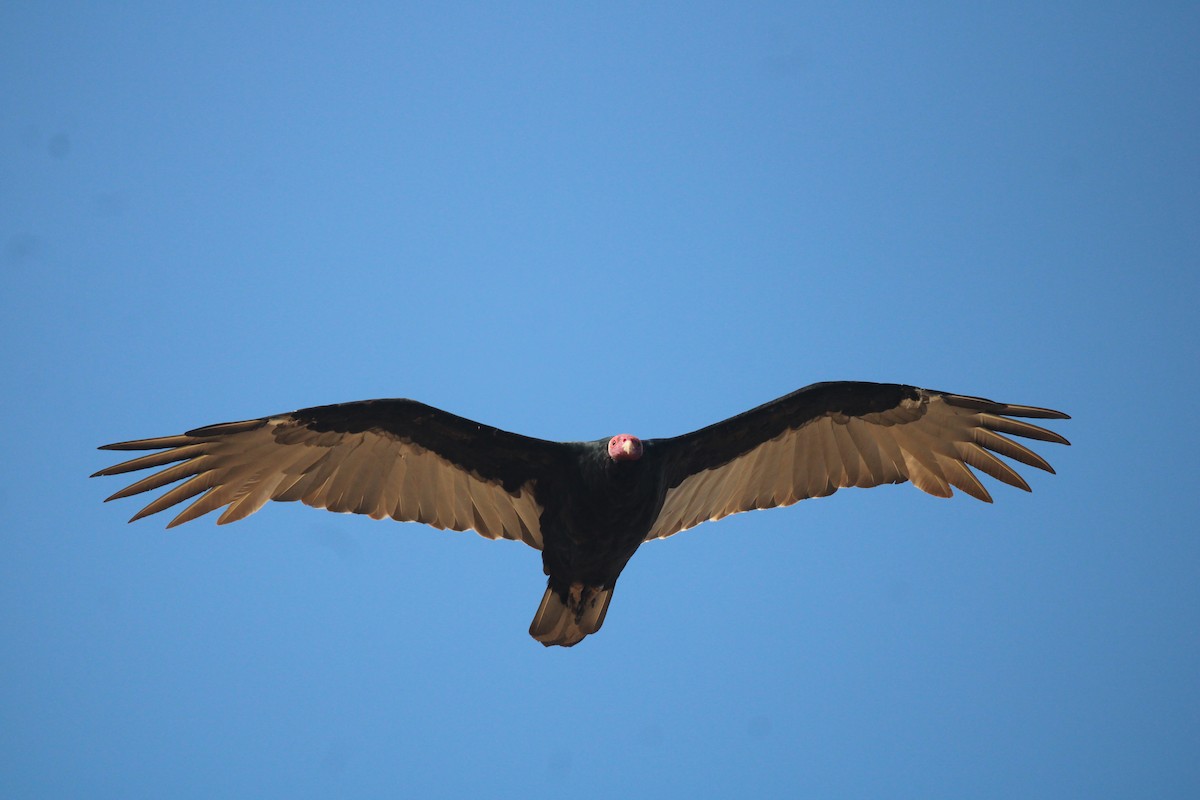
587, 506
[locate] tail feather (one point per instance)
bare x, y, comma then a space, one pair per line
565, 621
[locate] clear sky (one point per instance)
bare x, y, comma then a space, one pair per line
573, 220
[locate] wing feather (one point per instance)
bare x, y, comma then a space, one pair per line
486, 518
979, 458
153, 460
189, 488
255, 498
375, 481
382, 458
829, 436
920, 454
812, 479
962, 478
849, 456
164, 477
311, 490
1014, 450
193, 510
892, 460
1018, 427
425, 479
464, 508
343, 492
868, 449
826, 480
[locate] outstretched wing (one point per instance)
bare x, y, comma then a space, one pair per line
829, 435
385, 458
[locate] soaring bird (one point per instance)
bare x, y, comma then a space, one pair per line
587, 506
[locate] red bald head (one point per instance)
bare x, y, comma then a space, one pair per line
624, 447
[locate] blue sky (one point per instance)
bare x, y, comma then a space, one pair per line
572, 220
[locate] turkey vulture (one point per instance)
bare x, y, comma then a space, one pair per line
587, 506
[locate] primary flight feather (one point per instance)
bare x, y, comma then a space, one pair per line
587, 506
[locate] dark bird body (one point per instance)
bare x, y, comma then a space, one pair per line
587, 506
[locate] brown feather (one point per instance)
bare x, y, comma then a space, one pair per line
242, 465
932, 441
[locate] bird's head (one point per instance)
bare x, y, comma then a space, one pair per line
624, 447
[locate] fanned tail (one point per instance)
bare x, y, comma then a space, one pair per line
566, 620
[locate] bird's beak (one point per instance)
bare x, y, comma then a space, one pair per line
627, 447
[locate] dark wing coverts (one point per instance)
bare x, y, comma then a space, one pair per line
829, 435
384, 458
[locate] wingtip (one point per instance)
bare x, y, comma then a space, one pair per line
1035, 412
